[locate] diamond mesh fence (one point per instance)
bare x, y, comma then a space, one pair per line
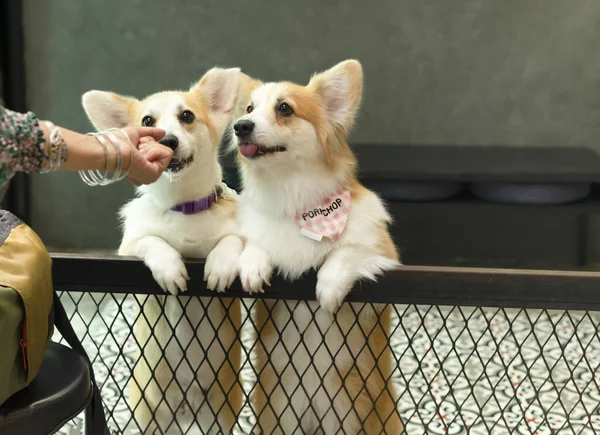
200, 365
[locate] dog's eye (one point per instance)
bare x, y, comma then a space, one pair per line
148, 121
186, 117
249, 109
284, 109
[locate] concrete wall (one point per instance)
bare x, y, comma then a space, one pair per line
479, 72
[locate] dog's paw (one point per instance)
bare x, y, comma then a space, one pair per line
331, 293
221, 269
225, 192
255, 270
169, 272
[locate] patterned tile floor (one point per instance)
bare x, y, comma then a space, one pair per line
508, 371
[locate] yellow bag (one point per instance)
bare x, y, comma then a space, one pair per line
26, 295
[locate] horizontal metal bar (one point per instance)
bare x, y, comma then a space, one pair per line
407, 285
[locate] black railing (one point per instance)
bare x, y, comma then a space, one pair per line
473, 351
408, 285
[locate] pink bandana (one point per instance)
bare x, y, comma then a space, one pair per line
327, 219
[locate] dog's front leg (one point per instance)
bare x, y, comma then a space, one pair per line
255, 269
342, 268
223, 263
166, 264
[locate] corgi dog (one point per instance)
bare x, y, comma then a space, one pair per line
188, 367
302, 207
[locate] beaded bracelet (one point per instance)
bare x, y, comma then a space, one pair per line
57, 150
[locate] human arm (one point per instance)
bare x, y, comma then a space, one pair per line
148, 158
25, 146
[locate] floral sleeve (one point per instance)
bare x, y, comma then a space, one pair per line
21, 144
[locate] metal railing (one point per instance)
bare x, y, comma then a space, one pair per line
475, 351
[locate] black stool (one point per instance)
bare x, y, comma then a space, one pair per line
61, 390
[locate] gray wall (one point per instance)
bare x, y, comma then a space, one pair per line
509, 72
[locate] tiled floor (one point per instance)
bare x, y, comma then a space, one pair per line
509, 371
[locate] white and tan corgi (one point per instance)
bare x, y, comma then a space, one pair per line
303, 208
188, 368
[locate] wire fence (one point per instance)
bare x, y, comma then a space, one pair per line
200, 365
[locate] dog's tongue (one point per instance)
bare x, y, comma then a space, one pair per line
248, 150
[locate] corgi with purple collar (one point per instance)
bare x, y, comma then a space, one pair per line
301, 208
184, 376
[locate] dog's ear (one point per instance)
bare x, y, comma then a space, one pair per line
247, 86
340, 92
220, 89
107, 110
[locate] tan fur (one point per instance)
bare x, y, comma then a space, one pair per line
306, 105
364, 366
226, 204
247, 86
317, 84
334, 136
303, 103
200, 109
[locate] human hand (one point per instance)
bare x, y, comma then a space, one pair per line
150, 159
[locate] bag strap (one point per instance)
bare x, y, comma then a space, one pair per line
95, 421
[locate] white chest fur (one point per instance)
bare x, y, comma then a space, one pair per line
193, 235
293, 253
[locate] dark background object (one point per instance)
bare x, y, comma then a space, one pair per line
12, 64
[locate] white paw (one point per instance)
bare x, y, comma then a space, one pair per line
221, 269
255, 269
226, 192
169, 272
331, 293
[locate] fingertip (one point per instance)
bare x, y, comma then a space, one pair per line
158, 133
153, 132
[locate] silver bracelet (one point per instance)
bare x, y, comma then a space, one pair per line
118, 165
133, 148
120, 162
94, 177
115, 141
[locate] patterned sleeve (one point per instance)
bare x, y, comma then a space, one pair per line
21, 144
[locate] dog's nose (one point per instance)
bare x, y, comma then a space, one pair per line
170, 141
243, 127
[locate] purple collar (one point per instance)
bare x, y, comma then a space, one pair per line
193, 207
